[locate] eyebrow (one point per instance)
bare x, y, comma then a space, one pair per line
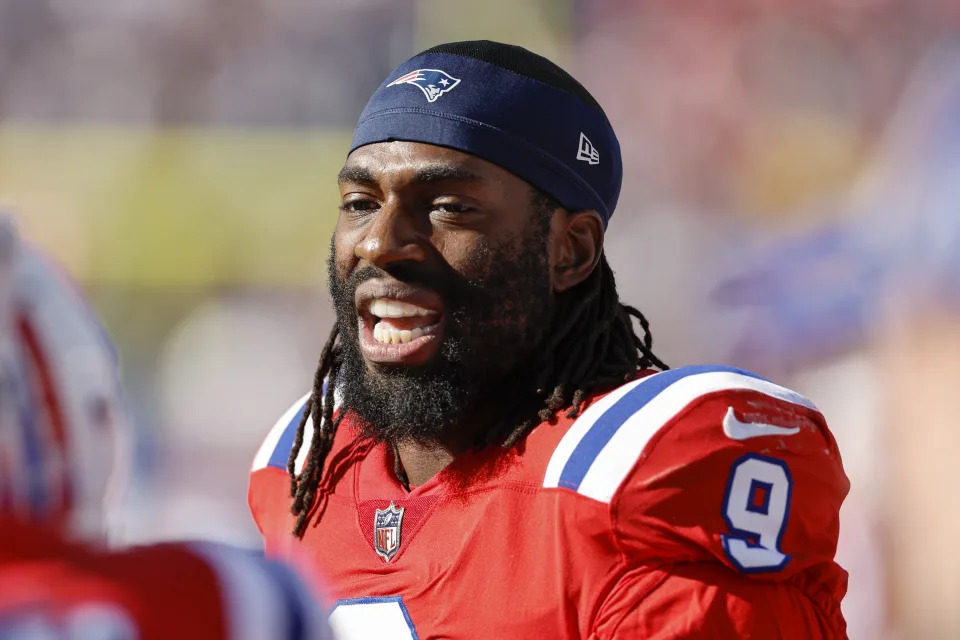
360, 175
424, 173
440, 172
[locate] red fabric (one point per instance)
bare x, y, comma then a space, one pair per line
496, 555
153, 591
704, 600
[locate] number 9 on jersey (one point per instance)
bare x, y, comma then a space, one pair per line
756, 505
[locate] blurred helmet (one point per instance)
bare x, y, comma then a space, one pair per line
61, 453
10, 377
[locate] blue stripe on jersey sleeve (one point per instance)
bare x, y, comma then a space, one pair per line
609, 423
281, 453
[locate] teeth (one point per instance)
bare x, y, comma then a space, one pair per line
395, 309
389, 335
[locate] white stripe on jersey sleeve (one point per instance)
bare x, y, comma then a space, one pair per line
619, 455
305, 449
256, 602
273, 437
578, 429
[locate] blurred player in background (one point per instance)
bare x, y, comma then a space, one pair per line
488, 450
61, 424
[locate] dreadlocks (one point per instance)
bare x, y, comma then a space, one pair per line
592, 345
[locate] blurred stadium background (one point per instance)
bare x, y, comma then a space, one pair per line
792, 205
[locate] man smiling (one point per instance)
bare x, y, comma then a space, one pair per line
488, 450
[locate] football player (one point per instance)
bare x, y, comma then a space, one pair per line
61, 421
491, 449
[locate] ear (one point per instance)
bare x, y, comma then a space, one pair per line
576, 246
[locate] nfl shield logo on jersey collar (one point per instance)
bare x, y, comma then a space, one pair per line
386, 531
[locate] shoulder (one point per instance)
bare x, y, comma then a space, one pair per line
278, 443
215, 585
263, 597
605, 443
219, 590
709, 463
268, 492
275, 449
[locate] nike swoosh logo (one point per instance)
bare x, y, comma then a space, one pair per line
738, 430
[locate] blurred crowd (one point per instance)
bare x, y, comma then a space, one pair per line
791, 205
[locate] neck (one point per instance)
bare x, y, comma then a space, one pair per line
421, 461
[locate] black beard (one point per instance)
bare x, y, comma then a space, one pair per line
494, 324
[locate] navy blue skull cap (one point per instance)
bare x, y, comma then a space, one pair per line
508, 106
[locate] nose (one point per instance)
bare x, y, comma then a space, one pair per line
391, 237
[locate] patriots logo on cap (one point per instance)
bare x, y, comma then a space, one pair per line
433, 82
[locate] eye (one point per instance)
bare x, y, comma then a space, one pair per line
451, 208
359, 206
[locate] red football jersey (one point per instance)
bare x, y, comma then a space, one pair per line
700, 502
53, 589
